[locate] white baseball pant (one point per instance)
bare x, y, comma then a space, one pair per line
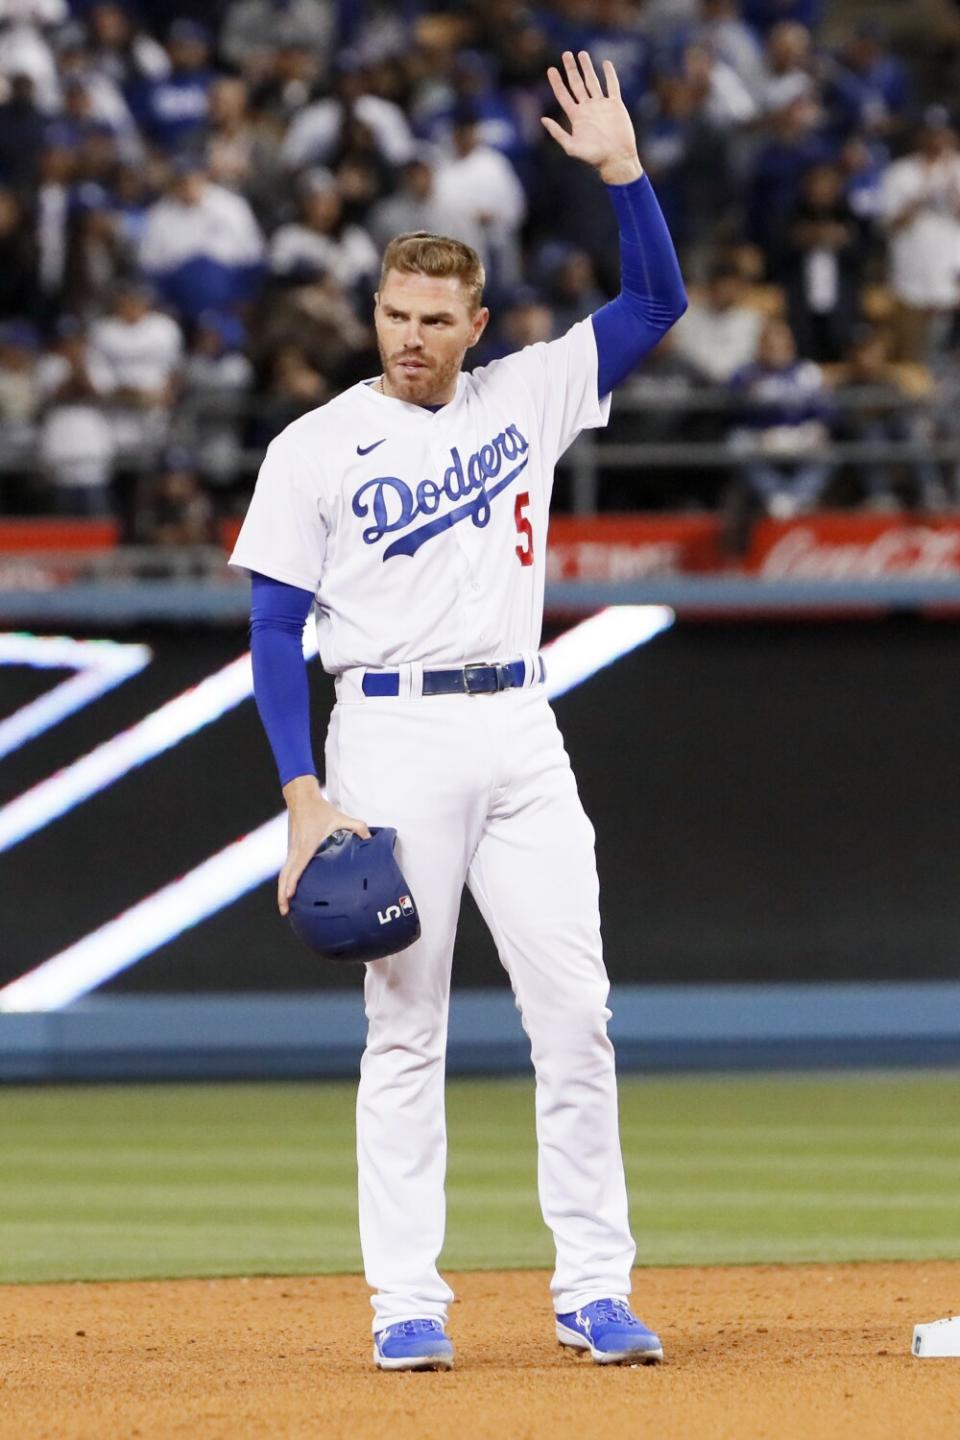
481, 792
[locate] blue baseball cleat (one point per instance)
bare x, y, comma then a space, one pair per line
413, 1345
611, 1332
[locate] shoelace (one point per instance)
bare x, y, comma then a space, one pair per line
420, 1327
615, 1311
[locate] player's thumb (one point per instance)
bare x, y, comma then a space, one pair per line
360, 828
557, 131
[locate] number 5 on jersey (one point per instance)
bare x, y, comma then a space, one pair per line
524, 529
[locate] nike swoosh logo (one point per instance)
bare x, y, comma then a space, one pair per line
365, 449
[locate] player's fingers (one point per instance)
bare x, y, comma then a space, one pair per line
359, 827
613, 83
557, 131
594, 88
283, 902
574, 78
563, 97
290, 876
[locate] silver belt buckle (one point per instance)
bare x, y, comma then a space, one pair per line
480, 665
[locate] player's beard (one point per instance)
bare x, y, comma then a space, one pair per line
432, 383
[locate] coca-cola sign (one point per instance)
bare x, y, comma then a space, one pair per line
855, 548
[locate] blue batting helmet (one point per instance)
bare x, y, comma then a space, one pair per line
352, 902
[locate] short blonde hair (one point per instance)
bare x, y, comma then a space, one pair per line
421, 253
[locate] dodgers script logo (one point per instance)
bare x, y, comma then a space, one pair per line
395, 506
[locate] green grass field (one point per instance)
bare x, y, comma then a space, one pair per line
127, 1182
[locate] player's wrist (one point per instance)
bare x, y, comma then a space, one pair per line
303, 790
622, 171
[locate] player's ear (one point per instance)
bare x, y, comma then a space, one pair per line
479, 325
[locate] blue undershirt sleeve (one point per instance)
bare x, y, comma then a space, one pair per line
652, 295
278, 613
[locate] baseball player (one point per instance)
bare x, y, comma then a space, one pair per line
412, 511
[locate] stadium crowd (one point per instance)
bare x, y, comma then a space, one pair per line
193, 204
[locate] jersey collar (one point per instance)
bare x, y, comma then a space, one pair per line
406, 406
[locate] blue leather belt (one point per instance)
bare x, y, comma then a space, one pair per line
470, 680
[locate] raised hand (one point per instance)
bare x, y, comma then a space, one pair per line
601, 131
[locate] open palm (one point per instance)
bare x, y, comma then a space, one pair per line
601, 131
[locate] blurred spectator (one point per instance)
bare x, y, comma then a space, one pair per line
57, 169
96, 250
783, 414
719, 334
789, 66
316, 318
794, 145
171, 109
122, 51
921, 206
315, 132
218, 377
240, 154
22, 127
571, 285
824, 264
686, 154
764, 14
24, 49
201, 244
664, 384
717, 89
568, 203
472, 86
291, 78
320, 242
885, 406
76, 439
294, 386
483, 186
727, 35
662, 18
142, 348
363, 174
173, 508
415, 206
612, 28
93, 100
868, 89
523, 318
862, 164
516, 38
132, 196
19, 290
254, 29
19, 405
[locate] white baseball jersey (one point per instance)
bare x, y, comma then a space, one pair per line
423, 534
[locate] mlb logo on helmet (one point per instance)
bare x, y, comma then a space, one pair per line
352, 902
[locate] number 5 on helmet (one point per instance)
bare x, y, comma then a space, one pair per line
352, 902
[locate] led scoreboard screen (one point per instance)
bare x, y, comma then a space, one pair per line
772, 801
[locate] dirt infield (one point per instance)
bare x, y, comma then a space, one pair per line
753, 1353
